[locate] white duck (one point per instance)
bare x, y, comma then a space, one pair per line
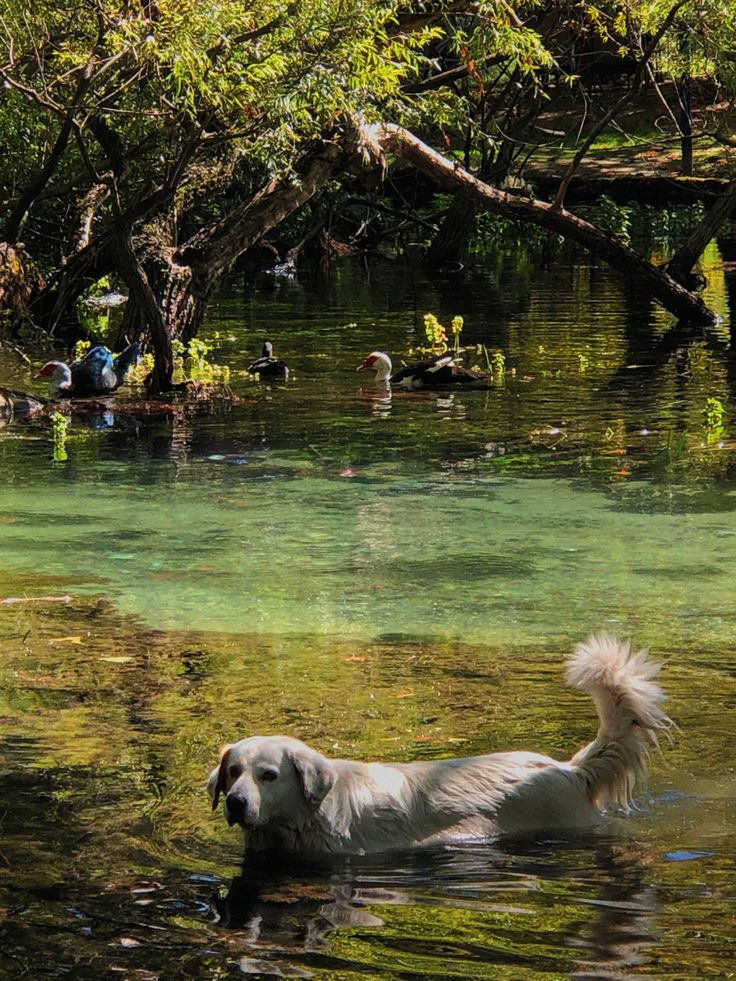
437, 372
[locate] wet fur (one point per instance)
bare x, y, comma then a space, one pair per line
289, 797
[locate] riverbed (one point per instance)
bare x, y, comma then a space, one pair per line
393, 575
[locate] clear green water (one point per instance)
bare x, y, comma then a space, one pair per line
383, 578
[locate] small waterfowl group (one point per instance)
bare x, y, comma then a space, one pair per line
438, 372
267, 367
97, 373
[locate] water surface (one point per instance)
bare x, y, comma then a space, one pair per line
383, 577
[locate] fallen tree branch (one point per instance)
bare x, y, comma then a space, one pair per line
687, 306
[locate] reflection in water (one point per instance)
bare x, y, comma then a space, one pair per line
378, 399
489, 906
389, 576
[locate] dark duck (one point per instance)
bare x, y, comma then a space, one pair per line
14, 403
267, 367
97, 373
438, 372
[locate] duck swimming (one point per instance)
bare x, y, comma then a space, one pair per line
437, 372
267, 366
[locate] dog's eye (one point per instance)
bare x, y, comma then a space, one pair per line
234, 771
268, 776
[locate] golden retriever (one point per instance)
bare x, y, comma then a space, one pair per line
288, 797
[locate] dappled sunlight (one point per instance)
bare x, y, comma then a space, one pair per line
385, 578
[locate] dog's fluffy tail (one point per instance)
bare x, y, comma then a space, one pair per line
629, 704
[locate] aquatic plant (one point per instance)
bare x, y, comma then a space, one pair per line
59, 426
435, 333
611, 215
191, 362
456, 329
714, 413
138, 373
496, 364
674, 449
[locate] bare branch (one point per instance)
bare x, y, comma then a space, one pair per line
625, 99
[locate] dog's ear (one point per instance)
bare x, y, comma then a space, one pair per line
217, 783
315, 774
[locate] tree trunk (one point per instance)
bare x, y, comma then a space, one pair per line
455, 230
20, 281
142, 297
688, 307
170, 287
682, 262
212, 251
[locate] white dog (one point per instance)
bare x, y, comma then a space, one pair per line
288, 797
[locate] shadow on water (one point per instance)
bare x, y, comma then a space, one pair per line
583, 911
112, 865
554, 909
387, 577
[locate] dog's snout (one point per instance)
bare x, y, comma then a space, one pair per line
235, 806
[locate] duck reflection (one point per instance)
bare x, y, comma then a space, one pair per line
287, 912
378, 400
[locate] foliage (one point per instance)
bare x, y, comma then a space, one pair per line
495, 234
609, 214
193, 82
191, 363
170, 115
80, 349
59, 427
456, 329
714, 413
435, 333
496, 364
663, 228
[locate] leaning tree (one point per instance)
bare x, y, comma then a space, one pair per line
158, 141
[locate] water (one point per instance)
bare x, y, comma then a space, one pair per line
385, 579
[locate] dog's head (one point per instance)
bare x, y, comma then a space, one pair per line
270, 780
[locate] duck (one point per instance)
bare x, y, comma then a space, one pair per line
437, 372
15, 403
267, 367
97, 373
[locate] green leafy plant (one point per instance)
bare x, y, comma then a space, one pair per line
456, 329
495, 364
435, 333
675, 447
714, 413
612, 216
191, 362
59, 427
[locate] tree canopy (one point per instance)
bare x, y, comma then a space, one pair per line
157, 141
